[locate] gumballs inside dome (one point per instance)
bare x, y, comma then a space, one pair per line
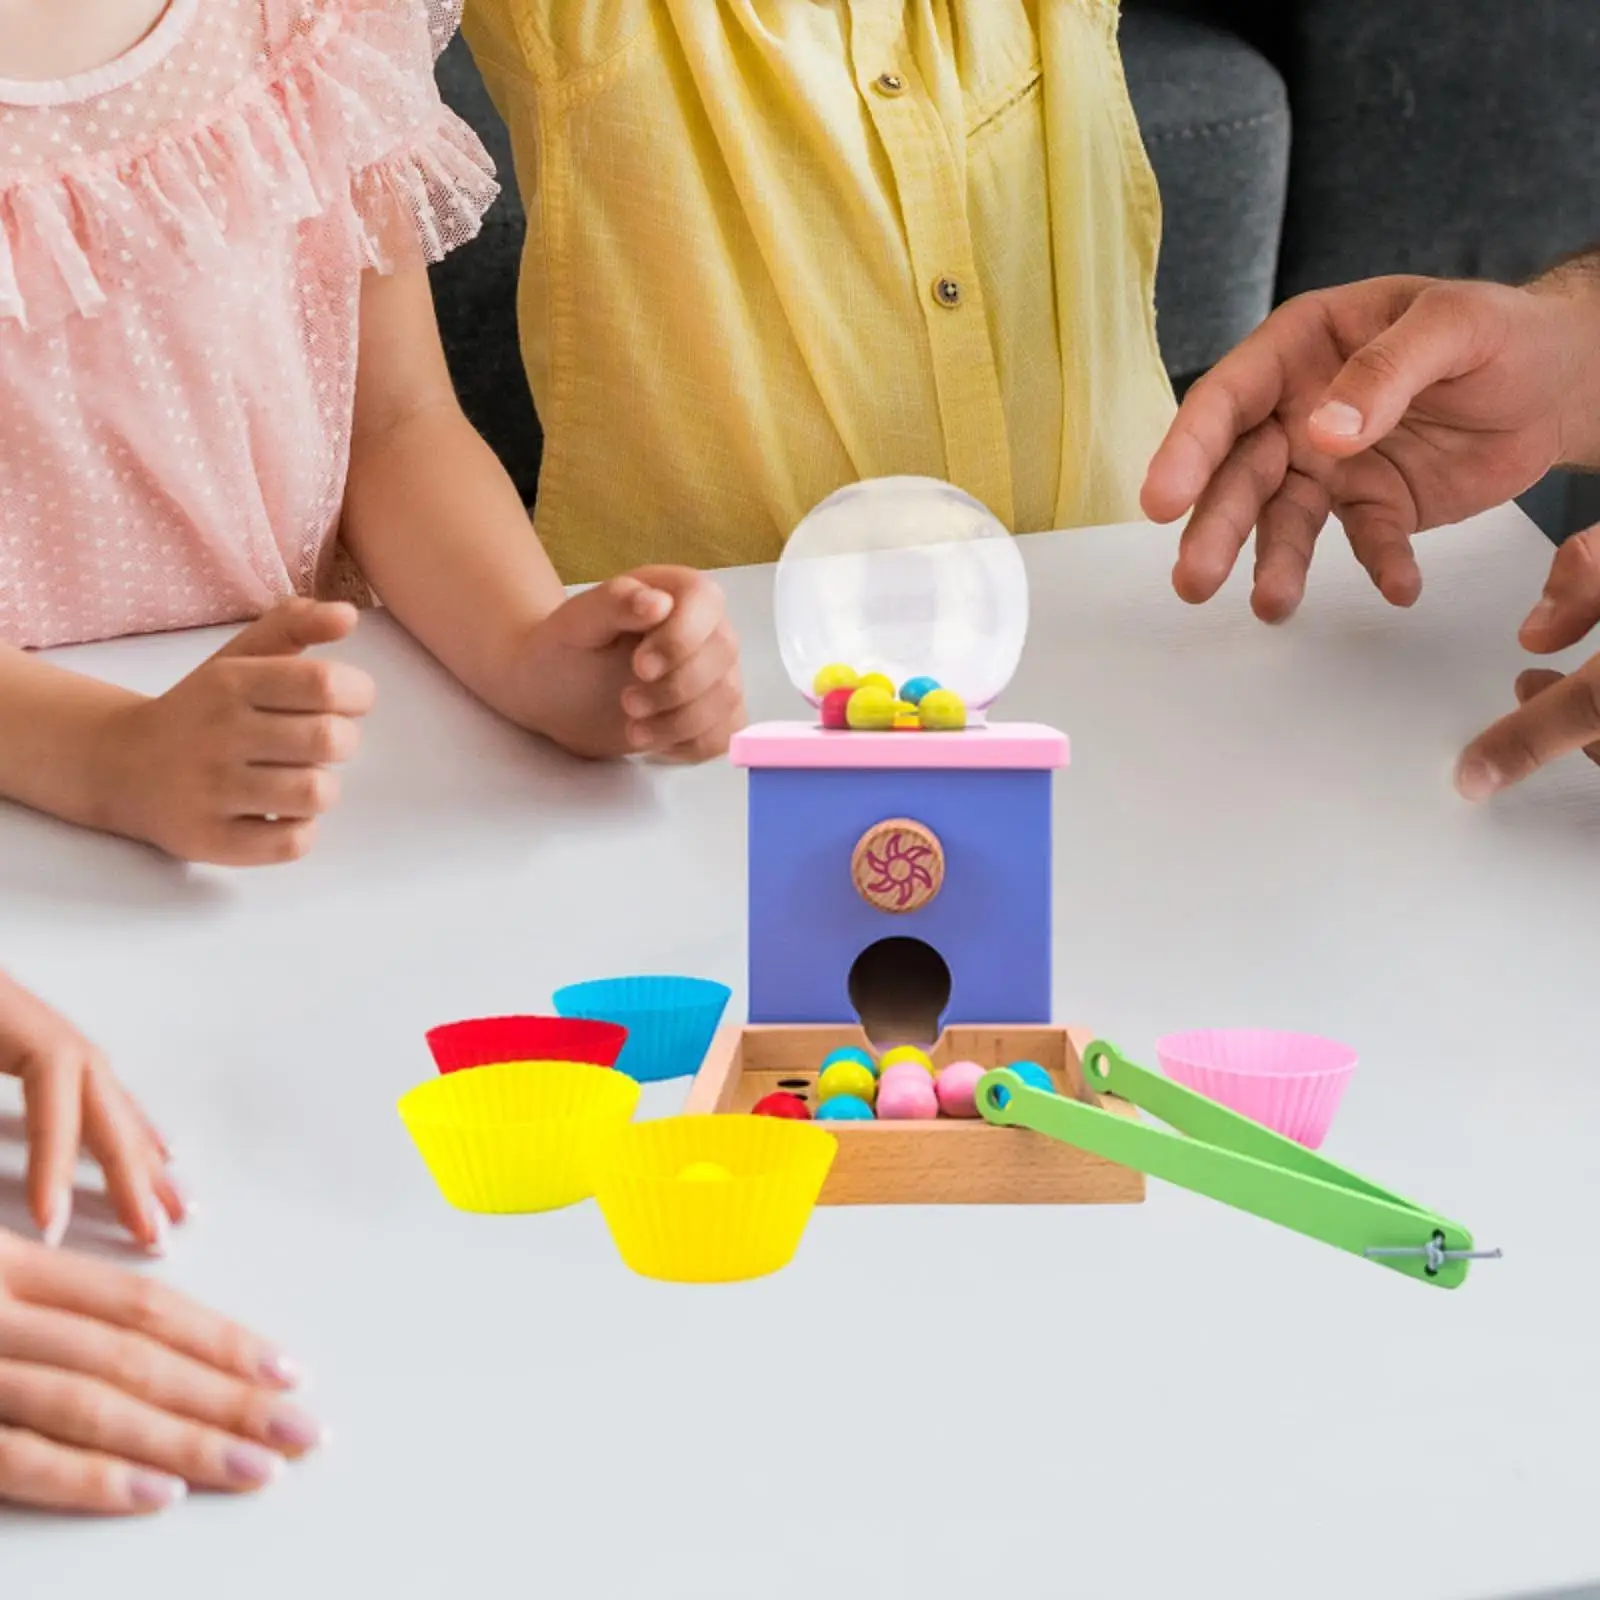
909, 578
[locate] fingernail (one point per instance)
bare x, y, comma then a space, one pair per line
638, 736
160, 1225
648, 667
155, 1491
55, 1228
1341, 420
291, 1429
1542, 615
1476, 780
186, 1206
276, 1368
635, 704
250, 1467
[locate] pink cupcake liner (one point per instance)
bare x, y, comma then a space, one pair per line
1290, 1082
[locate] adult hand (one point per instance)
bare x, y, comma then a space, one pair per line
116, 1394
1397, 404
233, 765
70, 1094
1557, 714
646, 663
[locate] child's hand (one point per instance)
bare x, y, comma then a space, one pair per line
232, 765
116, 1393
644, 664
70, 1095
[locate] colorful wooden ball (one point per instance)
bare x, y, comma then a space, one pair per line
849, 1053
906, 722
871, 709
903, 1069
782, 1105
845, 1108
704, 1172
834, 676
846, 1077
876, 680
1033, 1075
836, 708
942, 711
956, 1087
913, 689
907, 1098
902, 1053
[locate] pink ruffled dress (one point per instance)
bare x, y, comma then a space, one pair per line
183, 235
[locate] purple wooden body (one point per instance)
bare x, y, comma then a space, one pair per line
991, 920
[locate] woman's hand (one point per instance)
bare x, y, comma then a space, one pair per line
1397, 404
117, 1394
71, 1096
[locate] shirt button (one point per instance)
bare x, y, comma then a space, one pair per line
947, 292
890, 84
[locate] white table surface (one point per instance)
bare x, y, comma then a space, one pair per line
1258, 828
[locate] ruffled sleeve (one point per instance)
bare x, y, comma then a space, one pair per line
344, 121
444, 21
368, 109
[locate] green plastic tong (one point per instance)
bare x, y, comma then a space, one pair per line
1227, 1157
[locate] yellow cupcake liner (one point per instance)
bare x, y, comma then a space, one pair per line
521, 1136
667, 1225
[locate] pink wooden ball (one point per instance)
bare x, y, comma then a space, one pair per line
906, 1072
957, 1088
907, 1097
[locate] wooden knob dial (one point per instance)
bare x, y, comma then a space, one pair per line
898, 865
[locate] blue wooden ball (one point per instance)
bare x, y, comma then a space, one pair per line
844, 1108
849, 1053
1033, 1075
913, 689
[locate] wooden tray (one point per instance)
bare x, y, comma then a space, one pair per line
948, 1162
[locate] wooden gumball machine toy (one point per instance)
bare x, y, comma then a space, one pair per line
900, 903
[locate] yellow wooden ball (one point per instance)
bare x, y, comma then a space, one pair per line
876, 680
846, 1077
834, 676
942, 711
903, 1054
870, 709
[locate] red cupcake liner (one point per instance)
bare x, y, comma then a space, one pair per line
489, 1041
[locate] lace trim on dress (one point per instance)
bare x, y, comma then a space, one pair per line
346, 119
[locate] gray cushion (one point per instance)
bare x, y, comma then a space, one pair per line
475, 291
1215, 119
1450, 137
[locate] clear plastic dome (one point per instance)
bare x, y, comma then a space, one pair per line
909, 577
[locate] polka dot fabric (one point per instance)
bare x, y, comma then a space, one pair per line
182, 239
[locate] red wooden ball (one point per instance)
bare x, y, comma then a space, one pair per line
782, 1105
835, 708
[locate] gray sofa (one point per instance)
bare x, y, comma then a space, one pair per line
1454, 137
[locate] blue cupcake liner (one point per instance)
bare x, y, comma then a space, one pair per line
670, 1021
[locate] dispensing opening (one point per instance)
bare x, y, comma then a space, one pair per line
900, 991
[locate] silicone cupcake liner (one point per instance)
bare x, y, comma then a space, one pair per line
518, 1136
686, 1232
670, 1021
488, 1041
1291, 1082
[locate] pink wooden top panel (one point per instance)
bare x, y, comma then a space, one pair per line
997, 746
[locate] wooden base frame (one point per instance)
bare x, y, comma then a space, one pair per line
948, 1162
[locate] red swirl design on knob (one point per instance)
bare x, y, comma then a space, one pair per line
898, 865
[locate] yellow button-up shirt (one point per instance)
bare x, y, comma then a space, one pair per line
778, 245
